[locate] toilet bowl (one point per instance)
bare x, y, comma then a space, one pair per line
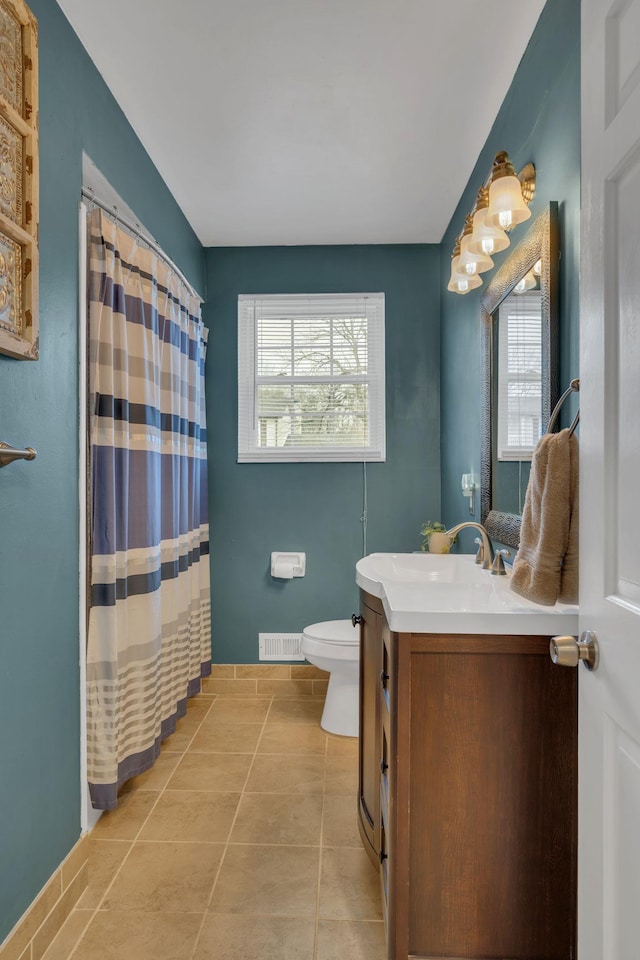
334, 646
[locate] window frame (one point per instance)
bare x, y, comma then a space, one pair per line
249, 380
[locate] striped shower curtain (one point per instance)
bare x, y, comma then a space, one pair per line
150, 613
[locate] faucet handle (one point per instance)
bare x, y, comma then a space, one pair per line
480, 553
497, 567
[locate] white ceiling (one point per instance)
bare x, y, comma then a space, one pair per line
309, 121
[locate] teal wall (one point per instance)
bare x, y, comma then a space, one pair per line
39, 680
539, 121
316, 507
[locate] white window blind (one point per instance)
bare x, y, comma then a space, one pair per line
519, 375
311, 377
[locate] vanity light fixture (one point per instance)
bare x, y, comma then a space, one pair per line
507, 203
472, 261
486, 239
460, 282
502, 202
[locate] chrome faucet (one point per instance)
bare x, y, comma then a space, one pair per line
487, 547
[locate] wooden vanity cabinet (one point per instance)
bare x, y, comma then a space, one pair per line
371, 620
477, 787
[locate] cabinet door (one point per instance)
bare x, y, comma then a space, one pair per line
369, 767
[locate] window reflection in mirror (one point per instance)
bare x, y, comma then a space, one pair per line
519, 373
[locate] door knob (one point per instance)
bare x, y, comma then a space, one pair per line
569, 651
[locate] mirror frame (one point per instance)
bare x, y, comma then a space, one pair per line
540, 242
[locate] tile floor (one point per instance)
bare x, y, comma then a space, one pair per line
240, 843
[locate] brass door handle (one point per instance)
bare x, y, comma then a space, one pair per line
569, 651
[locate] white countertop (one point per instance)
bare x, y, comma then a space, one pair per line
450, 593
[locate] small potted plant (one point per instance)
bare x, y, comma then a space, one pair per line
436, 540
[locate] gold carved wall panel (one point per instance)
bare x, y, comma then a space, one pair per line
18, 181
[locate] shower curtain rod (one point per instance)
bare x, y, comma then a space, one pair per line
136, 230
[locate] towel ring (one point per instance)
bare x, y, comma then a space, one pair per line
574, 387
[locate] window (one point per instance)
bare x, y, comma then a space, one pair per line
311, 377
519, 375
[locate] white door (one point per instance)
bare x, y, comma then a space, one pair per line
609, 698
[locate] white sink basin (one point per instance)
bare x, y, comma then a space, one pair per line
450, 593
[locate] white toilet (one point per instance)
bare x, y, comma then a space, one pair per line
334, 646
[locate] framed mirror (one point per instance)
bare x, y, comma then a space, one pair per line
519, 316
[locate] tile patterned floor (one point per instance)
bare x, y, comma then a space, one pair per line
241, 843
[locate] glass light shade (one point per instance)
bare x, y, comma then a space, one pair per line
485, 239
506, 206
470, 262
462, 282
537, 268
528, 282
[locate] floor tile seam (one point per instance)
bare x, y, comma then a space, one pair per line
259, 753
222, 725
243, 722
105, 912
217, 793
314, 698
224, 695
293, 721
350, 920
294, 846
180, 753
285, 916
229, 753
226, 846
264, 916
275, 753
236, 695
108, 839
198, 843
221, 753
197, 729
281, 793
267, 793
216, 913
319, 882
341, 846
299, 794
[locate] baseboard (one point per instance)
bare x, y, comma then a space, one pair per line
287, 681
42, 921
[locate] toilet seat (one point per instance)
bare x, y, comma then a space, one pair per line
336, 632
